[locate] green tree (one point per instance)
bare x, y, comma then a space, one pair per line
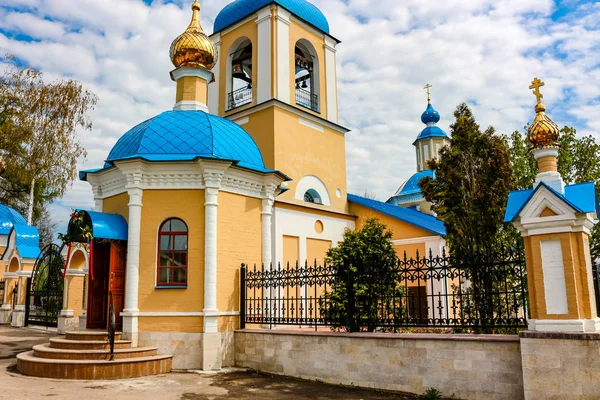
39, 124
578, 162
470, 190
366, 280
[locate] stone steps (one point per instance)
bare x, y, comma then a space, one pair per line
86, 355
45, 351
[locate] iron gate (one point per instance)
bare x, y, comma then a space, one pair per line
44, 298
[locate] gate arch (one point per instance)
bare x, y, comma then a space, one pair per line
44, 298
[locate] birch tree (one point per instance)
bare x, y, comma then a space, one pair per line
39, 125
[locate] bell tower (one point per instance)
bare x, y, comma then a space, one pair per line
431, 139
276, 76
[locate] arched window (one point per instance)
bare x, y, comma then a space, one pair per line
312, 196
172, 253
307, 75
239, 85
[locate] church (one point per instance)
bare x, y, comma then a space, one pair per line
248, 167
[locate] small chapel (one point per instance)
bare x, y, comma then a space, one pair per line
248, 167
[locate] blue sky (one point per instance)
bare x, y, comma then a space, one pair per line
482, 51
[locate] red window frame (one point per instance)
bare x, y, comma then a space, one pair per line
172, 235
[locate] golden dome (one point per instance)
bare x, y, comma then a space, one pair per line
543, 132
193, 48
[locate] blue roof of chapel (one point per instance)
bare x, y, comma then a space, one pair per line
27, 241
240, 9
581, 197
8, 218
409, 215
412, 184
186, 136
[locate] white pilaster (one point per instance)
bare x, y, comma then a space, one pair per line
283, 55
212, 174
331, 80
131, 310
213, 88
552, 178
264, 55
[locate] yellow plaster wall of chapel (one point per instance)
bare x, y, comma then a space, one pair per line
298, 32
261, 126
250, 31
117, 205
301, 150
170, 324
158, 206
238, 241
576, 275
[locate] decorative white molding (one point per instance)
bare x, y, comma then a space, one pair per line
184, 314
263, 21
283, 55
3, 240
67, 313
555, 286
565, 325
11, 275
242, 121
331, 80
312, 125
75, 272
24, 274
190, 105
179, 73
312, 182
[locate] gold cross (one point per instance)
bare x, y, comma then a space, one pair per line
536, 84
427, 87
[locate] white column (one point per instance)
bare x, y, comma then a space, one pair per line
283, 55
131, 311
267, 217
213, 88
331, 80
438, 286
264, 55
98, 201
212, 179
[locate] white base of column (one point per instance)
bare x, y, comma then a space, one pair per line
130, 326
82, 322
565, 325
189, 105
5, 311
18, 316
211, 351
66, 324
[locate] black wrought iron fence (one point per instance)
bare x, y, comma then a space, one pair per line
484, 293
307, 99
239, 98
596, 279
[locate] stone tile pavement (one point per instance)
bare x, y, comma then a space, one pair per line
175, 386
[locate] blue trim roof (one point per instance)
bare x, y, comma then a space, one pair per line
186, 136
8, 218
431, 131
413, 217
108, 226
411, 186
27, 241
581, 197
240, 9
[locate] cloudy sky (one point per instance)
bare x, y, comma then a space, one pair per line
484, 52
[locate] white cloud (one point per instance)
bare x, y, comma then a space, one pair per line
482, 51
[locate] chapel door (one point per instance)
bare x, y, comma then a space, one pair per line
97, 311
117, 280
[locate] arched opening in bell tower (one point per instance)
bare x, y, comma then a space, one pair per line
239, 74
306, 75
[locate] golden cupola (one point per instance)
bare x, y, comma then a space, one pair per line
193, 49
543, 132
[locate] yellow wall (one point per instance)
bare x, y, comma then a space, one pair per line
400, 230
170, 324
261, 126
291, 251
250, 31
13, 264
578, 297
301, 150
160, 205
75, 294
117, 205
316, 249
298, 32
239, 241
410, 250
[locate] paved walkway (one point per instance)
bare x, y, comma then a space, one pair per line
174, 386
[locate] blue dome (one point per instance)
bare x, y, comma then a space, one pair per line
240, 9
9, 217
411, 186
430, 115
185, 136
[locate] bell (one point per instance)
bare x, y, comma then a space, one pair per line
238, 71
